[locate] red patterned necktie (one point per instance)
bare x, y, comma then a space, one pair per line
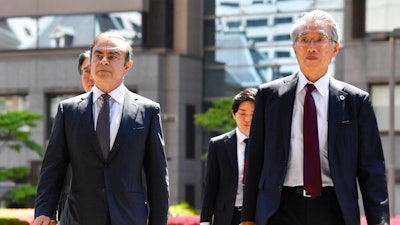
246, 154
311, 168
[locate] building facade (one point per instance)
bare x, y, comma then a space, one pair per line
41, 40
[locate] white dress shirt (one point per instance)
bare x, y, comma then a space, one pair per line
241, 145
294, 175
116, 104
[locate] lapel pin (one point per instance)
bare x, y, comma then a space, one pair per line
341, 97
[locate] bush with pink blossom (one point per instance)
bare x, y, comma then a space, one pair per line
176, 216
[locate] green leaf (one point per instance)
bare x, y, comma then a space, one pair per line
14, 130
218, 117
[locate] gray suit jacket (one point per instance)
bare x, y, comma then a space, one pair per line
114, 185
354, 152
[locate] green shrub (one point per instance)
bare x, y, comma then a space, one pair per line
16, 174
182, 209
21, 197
5, 221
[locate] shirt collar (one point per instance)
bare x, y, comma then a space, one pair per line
117, 94
240, 136
322, 84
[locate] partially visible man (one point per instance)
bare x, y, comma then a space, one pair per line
87, 84
108, 136
84, 70
224, 178
313, 139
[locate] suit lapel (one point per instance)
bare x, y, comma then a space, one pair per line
231, 150
129, 112
85, 109
287, 92
337, 112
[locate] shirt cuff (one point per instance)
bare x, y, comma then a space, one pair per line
205, 223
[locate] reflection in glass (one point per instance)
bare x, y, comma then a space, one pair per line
18, 33
67, 31
250, 44
129, 25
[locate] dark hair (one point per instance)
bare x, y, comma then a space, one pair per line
109, 34
248, 94
81, 58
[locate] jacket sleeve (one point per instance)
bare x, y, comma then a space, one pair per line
155, 166
210, 185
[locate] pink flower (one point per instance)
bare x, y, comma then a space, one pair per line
184, 220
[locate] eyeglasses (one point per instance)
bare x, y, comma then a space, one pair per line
319, 41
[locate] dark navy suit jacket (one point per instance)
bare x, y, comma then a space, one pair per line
100, 185
221, 180
354, 152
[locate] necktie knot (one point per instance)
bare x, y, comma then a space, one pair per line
310, 88
105, 97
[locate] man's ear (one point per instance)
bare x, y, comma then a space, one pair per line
336, 48
128, 65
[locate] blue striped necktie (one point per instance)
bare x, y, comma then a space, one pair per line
103, 126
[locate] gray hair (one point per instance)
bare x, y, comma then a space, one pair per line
314, 17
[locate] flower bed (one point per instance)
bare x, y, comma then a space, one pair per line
21, 214
27, 215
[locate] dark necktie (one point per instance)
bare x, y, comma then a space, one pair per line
312, 168
103, 126
246, 154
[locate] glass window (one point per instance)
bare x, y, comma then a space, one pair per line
283, 20
382, 15
380, 101
18, 33
66, 31
257, 22
13, 103
52, 106
238, 36
282, 37
280, 54
258, 39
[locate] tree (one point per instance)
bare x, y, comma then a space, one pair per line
218, 117
14, 130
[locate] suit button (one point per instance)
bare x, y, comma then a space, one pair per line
103, 190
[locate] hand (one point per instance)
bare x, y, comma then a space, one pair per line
42, 220
247, 223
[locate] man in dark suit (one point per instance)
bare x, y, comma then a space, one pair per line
87, 84
348, 145
223, 191
107, 164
